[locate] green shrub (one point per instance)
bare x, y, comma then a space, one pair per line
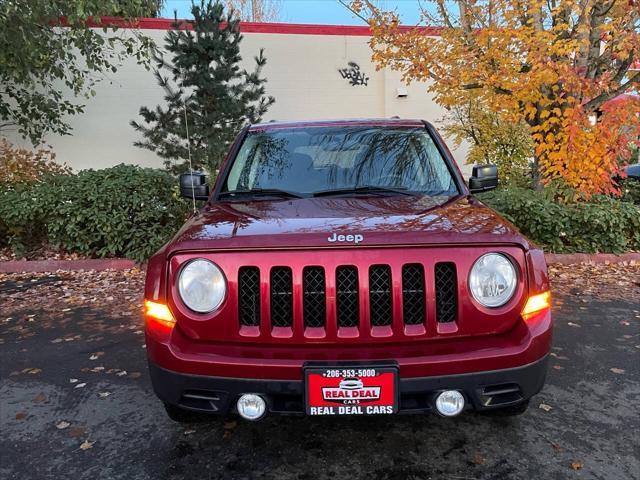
630, 191
603, 224
19, 168
121, 211
22, 217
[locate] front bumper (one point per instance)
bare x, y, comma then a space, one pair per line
483, 391
527, 342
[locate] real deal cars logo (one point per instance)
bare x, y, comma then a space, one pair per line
350, 390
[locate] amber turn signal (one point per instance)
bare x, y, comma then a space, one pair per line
537, 303
159, 312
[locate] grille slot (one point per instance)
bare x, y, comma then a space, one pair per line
380, 295
413, 294
281, 297
249, 296
314, 295
348, 309
446, 283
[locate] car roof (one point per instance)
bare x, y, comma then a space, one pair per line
633, 171
378, 122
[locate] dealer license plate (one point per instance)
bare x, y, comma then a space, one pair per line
351, 390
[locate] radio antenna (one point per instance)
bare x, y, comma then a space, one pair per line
186, 127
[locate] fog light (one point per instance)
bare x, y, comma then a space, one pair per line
251, 406
450, 403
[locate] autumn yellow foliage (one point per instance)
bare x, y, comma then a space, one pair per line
553, 64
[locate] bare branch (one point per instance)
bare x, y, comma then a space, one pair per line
357, 14
442, 10
604, 97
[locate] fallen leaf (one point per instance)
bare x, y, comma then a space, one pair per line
576, 465
86, 445
546, 407
617, 370
57, 340
228, 429
39, 398
21, 415
135, 375
104, 394
73, 380
558, 367
122, 373
76, 432
478, 459
80, 385
62, 425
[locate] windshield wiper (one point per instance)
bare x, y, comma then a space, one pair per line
261, 192
363, 189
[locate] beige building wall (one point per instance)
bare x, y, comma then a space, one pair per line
302, 73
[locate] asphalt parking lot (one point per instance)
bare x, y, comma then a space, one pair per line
76, 403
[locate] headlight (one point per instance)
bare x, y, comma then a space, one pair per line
492, 280
202, 286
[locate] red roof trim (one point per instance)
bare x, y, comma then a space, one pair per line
389, 122
254, 27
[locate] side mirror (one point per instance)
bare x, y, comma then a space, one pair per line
194, 185
483, 178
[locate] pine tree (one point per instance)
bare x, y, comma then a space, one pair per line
203, 74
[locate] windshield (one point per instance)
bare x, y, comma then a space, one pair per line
317, 160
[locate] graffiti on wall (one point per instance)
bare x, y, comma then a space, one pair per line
353, 74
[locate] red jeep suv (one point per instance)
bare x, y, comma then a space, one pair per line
343, 268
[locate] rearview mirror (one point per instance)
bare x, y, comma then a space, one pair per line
483, 178
194, 185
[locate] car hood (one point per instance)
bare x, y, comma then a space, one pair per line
311, 222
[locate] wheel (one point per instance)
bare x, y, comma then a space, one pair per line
181, 415
510, 411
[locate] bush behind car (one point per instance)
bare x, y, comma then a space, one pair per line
125, 211
602, 224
